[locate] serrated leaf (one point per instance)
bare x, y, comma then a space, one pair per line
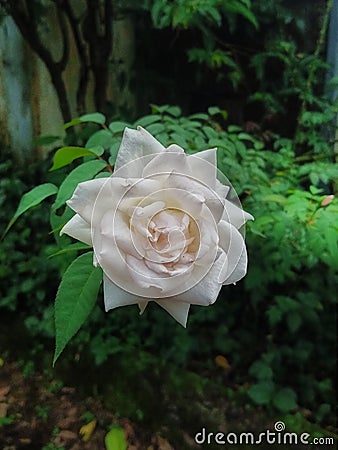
84, 172
67, 155
30, 199
285, 400
93, 117
115, 439
75, 299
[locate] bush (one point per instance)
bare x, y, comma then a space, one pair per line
276, 328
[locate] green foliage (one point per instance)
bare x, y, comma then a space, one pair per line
30, 199
286, 303
27, 278
76, 297
206, 17
115, 439
194, 13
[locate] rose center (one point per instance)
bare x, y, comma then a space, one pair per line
170, 236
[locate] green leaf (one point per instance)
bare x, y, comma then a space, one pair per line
261, 392
118, 127
294, 321
93, 117
75, 299
276, 198
30, 199
261, 370
71, 123
102, 138
213, 110
66, 155
115, 439
174, 111
46, 140
156, 128
285, 400
147, 120
235, 7
114, 149
84, 172
70, 248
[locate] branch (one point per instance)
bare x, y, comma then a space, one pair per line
83, 57
62, 63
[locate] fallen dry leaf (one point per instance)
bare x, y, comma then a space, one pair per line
3, 410
3, 392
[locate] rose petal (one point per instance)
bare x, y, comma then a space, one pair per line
232, 242
178, 310
235, 215
115, 296
204, 166
142, 306
135, 145
84, 197
172, 159
79, 229
204, 292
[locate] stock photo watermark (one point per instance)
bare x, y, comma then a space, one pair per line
276, 437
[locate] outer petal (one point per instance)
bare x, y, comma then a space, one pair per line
171, 159
135, 145
232, 243
204, 166
142, 306
178, 310
206, 291
235, 215
115, 296
79, 229
85, 195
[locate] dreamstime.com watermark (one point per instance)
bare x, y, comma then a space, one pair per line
277, 437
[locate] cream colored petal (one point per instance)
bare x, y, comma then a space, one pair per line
204, 166
199, 190
172, 159
135, 149
142, 306
79, 229
233, 245
143, 276
235, 214
178, 310
240, 269
222, 190
115, 231
85, 195
114, 296
204, 292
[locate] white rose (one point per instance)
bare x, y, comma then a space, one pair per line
161, 227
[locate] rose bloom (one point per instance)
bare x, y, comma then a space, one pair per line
161, 227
